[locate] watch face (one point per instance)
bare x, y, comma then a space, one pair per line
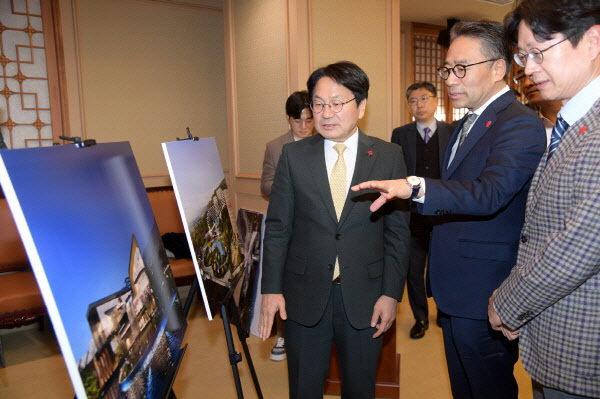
413, 180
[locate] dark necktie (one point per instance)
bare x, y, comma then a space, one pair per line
427, 134
560, 127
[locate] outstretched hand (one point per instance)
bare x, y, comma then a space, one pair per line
389, 189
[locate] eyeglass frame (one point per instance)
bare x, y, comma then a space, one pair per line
416, 100
312, 104
518, 78
445, 68
300, 121
529, 55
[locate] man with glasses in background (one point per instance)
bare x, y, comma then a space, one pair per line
423, 143
551, 300
480, 200
546, 109
331, 268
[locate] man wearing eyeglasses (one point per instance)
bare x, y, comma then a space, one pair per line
330, 266
480, 200
551, 300
423, 143
546, 109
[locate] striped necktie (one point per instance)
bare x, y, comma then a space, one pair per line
471, 117
560, 127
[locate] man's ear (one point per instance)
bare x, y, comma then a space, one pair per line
592, 38
499, 69
361, 108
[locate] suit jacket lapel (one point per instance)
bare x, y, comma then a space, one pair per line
365, 159
315, 159
484, 122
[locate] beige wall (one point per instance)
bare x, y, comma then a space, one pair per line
259, 32
355, 30
142, 71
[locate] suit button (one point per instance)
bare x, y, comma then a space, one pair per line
524, 239
338, 236
330, 266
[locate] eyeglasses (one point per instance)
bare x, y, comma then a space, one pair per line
459, 70
535, 54
335, 105
423, 99
300, 122
518, 77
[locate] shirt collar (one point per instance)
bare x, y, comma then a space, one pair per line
432, 126
581, 103
351, 143
480, 110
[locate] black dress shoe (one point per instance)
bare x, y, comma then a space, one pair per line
418, 330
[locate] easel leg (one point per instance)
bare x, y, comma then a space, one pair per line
242, 335
190, 297
234, 358
2, 362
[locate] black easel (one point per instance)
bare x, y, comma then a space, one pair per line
228, 304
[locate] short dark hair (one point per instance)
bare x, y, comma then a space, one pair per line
345, 73
296, 103
545, 18
491, 36
421, 85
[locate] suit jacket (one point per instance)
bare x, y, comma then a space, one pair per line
272, 154
553, 292
406, 137
482, 194
303, 236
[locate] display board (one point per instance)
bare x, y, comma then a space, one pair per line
203, 201
95, 249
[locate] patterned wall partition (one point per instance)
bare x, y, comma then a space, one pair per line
25, 118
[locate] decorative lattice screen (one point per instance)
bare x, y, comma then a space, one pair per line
25, 100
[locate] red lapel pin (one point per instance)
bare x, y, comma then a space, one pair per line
488, 124
582, 130
370, 153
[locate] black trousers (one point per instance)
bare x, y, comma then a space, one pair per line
420, 233
308, 352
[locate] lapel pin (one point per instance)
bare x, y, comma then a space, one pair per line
582, 130
370, 152
488, 124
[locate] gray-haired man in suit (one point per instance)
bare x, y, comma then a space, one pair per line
552, 297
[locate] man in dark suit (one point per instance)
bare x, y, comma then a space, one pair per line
551, 299
423, 145
300, 118
480, 199
333, 269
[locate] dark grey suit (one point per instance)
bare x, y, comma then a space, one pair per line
303, 238
420, 226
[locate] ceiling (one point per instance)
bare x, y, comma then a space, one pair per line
436, 12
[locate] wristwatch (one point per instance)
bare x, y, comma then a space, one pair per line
415, 183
